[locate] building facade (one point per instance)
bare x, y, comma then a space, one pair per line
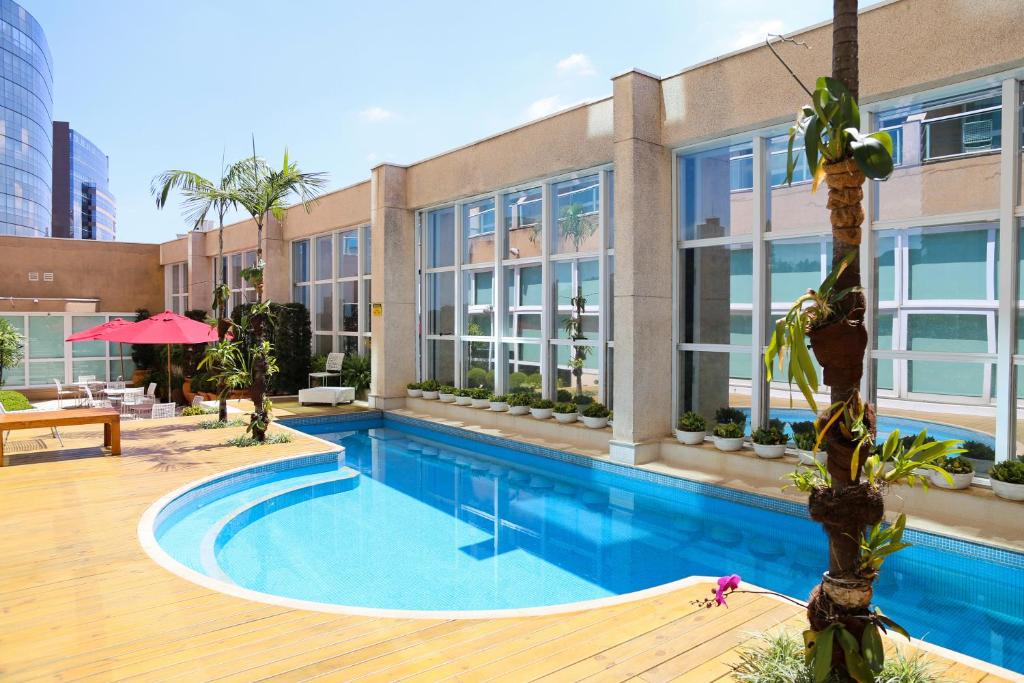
26, 104
83, 206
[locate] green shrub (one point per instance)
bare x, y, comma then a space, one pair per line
463, 393
975, 450
144, 356
202, 381
291, 336
413, 385
777, 424
498, 398
908, 440
733, 415
355, 373
804, 440
805, 427
563, 396
196, 410
14, 400
768, 437
565, 408
728, 430
430, 385
217, 424
245, 441
595, 409
479, 394
691, 422
476, 377
582, 399
521, 399
542, 403
318, 364
957, 465
1008, 471
523, 382
446, 389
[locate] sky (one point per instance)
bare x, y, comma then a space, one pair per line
344, 85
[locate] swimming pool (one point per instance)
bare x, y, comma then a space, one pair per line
415, 518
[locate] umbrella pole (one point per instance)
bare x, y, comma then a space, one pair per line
169, 381
120, 353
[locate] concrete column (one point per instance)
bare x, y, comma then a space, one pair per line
277, 276
643, 271
393, 228
200, 272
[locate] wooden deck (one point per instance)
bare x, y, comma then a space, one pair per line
79, 599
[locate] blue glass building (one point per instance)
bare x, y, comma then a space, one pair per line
83, 207
26, 104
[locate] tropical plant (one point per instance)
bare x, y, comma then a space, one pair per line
575, 225
542, 404
318, 363
573, 327
12, 347
521, 399
565, 408
804, 427
728, 430
691, 422
355, 373
768, 437
1008, 471
727, 414
144, 356
595, 409
14, 400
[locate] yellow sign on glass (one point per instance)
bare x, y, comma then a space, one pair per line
378, 310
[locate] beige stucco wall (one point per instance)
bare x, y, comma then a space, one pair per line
339, 209
123, 276
174, 251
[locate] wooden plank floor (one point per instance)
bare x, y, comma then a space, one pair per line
80, 600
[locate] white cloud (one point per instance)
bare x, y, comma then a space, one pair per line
576, 64
548, 105
754, 32
377, 114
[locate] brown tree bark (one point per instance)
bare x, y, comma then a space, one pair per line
259, 366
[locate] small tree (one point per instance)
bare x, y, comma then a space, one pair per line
573, 327
575, 225
12, 348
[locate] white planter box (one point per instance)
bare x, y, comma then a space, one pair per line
518, 410
446, 398
566, 418
1007, 491
481, 402
430, 395
960, 481
541, 413
770, 451
463, 400
499, 406
414, 393
595, 422
690, 438
808, 457
727, 445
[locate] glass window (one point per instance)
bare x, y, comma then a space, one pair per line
717, 293
576, 206
441, 303
523, 223
610, 316
441, 361
576, 371
523, 366
300, 261
349, 344
796, 265
478, 302
954, 333
793, 208
715, 192
90, 349
349, 293
950, 264
368, 247
710, 380
97, 367
524, 296
235, 276
885, 266
885, 335
348, 254
478, 231
610, 184
15, 377
478, 365
441, 237
323, 257
46, 337
324, 305
300, 295
572, 278
323, 344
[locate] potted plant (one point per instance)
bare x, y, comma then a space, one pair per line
446, 394
481, 398
566, 412
769, 442
728, 436
595, 415
463, 397
804, 442
691, 428
959, 469
519, 403
414, 389
541, 408
499, 402
430, 389
1007, 479
734, 415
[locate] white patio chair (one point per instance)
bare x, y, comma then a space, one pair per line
53, 430
197, 401
86, 379
91, 402
331, 369
63, 393
161, 410
131, 401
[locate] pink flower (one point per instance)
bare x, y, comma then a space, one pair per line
726, 583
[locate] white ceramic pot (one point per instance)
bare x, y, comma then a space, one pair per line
463, 401
414, 393
770, 451
595, 422
723, 444
690, 438
1007, 491
566, 418
446, 398
541, 413
518, 410
807, 457
960, 481
430, 395
499, 406
481, 402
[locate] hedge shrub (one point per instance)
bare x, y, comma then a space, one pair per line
13, 400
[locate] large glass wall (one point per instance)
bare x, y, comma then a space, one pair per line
495, 303
230, 268
331, 276
750, 245
176, 287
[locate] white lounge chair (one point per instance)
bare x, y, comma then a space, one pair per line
331, 369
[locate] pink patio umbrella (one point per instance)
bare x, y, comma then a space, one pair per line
164, 328
96, 334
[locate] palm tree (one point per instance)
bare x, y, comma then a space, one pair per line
263, 191
200, 196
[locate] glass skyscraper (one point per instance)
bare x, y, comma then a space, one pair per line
26, 103
83, 207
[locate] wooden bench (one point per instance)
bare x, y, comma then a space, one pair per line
42, 419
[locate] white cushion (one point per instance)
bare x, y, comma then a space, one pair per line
332, 395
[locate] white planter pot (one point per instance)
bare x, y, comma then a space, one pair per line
808, 457
960, 481
1007, 491
518, 410
430, 395
446, 398
463, 401
541, 413
566, 418
770, 451
723, 444
481, 402
414, 393
595, 422
499, 406
690, 438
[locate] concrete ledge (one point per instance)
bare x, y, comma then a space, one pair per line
627, 453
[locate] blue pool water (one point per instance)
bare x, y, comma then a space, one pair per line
434, 521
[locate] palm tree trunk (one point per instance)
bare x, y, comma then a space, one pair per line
222, 321
259, 365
